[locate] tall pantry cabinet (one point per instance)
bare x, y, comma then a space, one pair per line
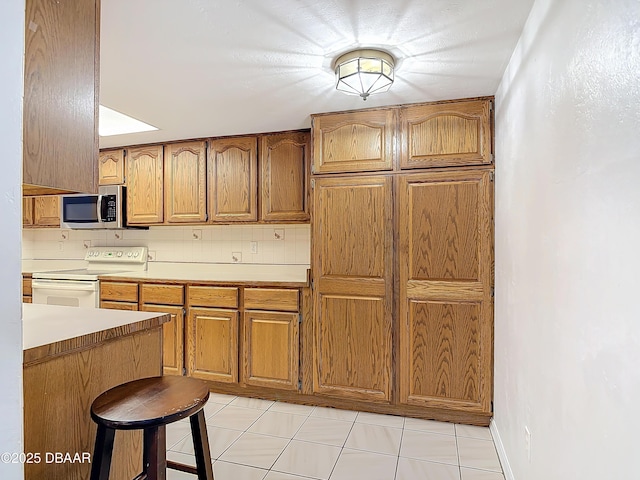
402, 229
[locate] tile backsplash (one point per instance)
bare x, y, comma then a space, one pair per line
265, 244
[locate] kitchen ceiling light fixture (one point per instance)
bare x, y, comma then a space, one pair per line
363, 72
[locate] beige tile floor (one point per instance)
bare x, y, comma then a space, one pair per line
254, 439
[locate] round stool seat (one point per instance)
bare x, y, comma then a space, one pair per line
149, 402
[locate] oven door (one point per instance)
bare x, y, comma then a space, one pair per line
71, 293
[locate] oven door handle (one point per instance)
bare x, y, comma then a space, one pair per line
58, 285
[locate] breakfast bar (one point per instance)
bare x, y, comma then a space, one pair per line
71, 355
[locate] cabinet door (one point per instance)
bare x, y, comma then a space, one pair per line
61, 79
233, 180
46, 211
111, 167
353, 142
212, 344
440, 135
284, 164
172, 338
271, 349
353, 294
185, 193
144, 190
27, 211
446, 320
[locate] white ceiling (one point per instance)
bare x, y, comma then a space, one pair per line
200, 68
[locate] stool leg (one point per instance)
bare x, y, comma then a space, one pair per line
201, 446
154, 454
101, 463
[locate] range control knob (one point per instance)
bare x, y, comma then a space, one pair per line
119, 254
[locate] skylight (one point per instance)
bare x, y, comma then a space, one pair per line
116, 123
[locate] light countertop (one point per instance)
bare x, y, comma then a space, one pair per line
50, 330
221, 272
33, 266
240, 273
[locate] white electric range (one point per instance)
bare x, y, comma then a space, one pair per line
81, 287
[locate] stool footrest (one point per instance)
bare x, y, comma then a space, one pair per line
182, 467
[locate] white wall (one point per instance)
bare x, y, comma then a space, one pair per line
11, 79
567, 333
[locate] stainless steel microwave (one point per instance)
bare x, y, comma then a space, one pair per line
106, 209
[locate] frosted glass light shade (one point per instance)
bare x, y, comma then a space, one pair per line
363, 72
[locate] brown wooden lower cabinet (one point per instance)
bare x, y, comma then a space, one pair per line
159, 297
271, 349
172, 338
254, 341
212, 344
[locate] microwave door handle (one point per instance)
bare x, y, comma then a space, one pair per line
99, 208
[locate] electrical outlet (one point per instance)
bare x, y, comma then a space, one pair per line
254, 247
64, 234
151, 255
236, 257
61, 246
278, 233
86, 243
196, 234
527, 442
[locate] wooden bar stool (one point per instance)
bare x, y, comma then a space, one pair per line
149, 404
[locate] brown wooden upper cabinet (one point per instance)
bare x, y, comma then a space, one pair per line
284, 164
60, 112
27, 211
111, 167
185, 182
233, 180
145, 169
354, 141
41, 211
446, 134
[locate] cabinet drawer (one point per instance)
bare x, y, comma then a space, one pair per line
162, 294
119, 291
26, 286
271, 299
221, 297
118, 305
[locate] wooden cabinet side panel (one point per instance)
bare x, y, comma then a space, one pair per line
353, 141
145, 173
212, 344
111, 167
284, 170
57, 398
61, 94
448, 134
185, 195
271, 349
233, 179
